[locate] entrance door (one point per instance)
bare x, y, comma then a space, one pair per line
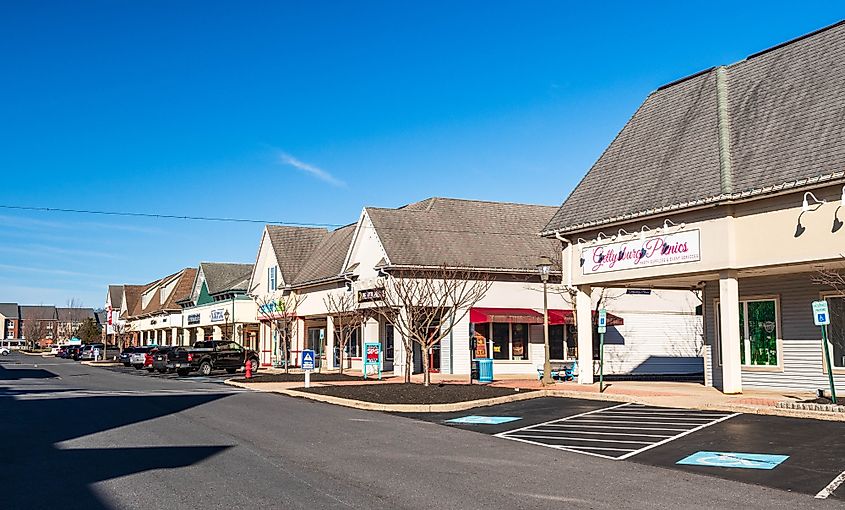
389, 333
314, 342
418, 364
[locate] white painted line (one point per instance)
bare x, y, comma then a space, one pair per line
589, 439
690, 431
593, 454
500, 434
601, 433
640, 422
611, 427
666, 415
831, 487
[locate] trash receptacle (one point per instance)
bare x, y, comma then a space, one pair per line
482, 369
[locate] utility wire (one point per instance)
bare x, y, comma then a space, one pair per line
166, 216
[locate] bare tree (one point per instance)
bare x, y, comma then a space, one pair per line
281, 315
832, 278
120, 330
348, 318
34, 331
425, 304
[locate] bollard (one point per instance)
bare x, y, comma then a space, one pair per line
249, 369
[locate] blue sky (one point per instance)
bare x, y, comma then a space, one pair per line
305, 112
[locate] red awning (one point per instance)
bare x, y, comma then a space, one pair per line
568, 317
521, 315
531, 316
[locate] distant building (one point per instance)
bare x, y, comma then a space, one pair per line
40, 322
10, 317
70, 319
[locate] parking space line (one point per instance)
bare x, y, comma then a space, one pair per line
614, 429
564, 438
831, 487
690, 431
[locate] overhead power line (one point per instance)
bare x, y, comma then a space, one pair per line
167, 216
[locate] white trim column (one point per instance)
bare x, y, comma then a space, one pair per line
217, 333
584, 321
729, 339
186, 337
175, 338
330, 342
200, 334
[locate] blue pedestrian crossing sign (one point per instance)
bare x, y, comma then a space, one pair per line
308, 359
821, 315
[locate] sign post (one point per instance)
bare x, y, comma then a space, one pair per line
821, 316
602, 323
307, 365
372, 357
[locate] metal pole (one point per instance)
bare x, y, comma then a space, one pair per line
829, 366
601, 363
547, 365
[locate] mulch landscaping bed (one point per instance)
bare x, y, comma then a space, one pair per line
413, 393
316, 377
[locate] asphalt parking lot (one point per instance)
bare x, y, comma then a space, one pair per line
216, 377
797, 455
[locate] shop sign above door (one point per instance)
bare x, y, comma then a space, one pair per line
217, 315
675, 248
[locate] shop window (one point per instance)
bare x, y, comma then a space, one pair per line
510, 341
836, 331
501, 340
353, 345
758, 333
556, 342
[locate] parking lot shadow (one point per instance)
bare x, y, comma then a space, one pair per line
36, 473
17, 374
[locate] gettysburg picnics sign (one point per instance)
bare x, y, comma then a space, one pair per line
658, 250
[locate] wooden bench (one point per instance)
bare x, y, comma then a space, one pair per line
560, 371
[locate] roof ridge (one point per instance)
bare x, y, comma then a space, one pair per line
794, 40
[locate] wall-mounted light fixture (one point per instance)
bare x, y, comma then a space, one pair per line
599, 237
643, 232
622, 232
667, 223
805, 205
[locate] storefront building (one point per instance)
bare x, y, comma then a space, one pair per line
498, 239
729, 183
218, 307
157, 317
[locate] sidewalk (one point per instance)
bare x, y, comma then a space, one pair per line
664, 394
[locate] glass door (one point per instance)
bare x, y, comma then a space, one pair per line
315, 343
389, 333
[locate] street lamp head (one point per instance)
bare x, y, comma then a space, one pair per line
226, 315
544, 267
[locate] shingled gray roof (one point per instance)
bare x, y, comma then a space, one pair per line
40, 312
116, 296
781, 126
74, 314
223, 277
464, 233
293, 246
326, 260
9, 310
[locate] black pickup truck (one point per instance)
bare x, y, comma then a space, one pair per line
206, 356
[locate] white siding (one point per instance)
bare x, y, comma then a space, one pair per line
801, 339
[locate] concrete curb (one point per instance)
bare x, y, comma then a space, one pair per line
397, 408
619, 398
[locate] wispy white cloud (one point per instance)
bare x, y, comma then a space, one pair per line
43, 270
41, 250
314, 171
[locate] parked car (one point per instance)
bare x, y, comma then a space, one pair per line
206, 356
124, 355
138, 358
87, 351
5, 351
73, 352
54, 350
163, 359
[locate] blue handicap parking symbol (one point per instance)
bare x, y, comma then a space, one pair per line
483, 420
734, 460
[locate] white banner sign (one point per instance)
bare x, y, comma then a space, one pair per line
659, 250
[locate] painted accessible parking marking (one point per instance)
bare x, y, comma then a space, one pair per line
617, 432
734, 460
483, 420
